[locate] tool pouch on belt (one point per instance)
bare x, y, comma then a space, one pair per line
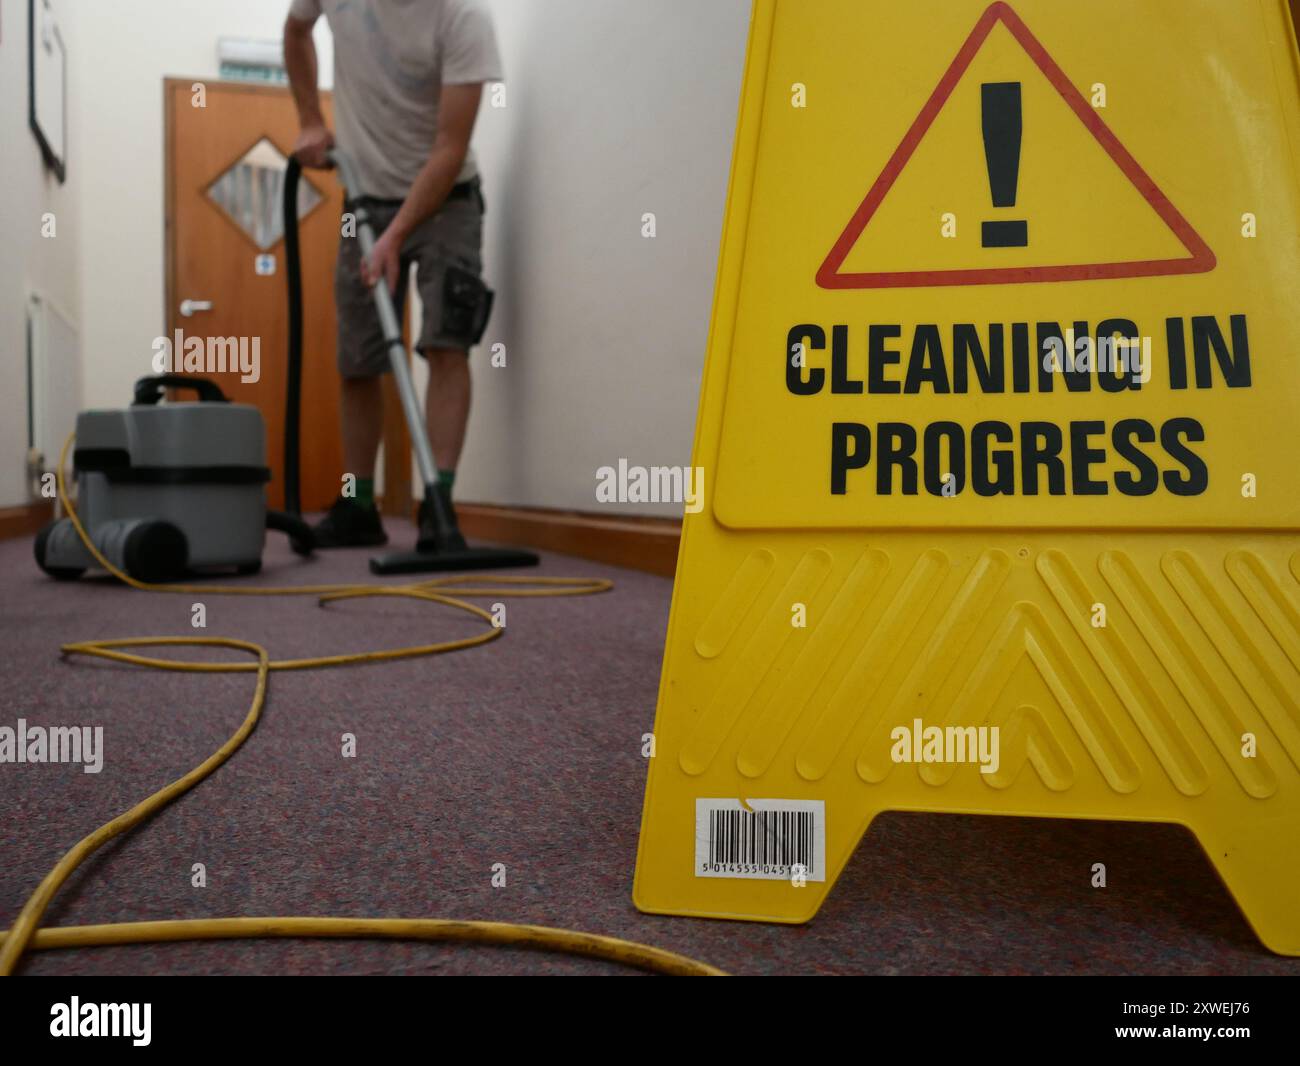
466, 305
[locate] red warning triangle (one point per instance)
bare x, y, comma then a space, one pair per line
1200, 257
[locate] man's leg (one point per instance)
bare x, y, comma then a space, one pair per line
362, 360
448, 249
361, 414
446, 407
446, 414
353, 520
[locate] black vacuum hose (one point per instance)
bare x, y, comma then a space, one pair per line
293, 372
301, 539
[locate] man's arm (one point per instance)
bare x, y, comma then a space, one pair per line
457, 112
314, 137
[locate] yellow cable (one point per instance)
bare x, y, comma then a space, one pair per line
508, 934
26, 932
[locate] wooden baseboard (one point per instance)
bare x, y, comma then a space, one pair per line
648, 544
24, 520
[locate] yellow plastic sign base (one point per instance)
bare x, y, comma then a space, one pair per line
998, 427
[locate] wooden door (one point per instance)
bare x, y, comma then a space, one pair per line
225, 255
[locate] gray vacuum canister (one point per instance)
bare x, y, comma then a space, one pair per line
163, 489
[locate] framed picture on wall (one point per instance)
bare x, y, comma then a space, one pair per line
47, 83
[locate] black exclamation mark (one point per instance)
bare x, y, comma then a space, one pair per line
1002, 131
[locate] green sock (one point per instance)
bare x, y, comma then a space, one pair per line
447, 478
365, 491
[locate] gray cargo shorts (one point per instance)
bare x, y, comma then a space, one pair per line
448, 250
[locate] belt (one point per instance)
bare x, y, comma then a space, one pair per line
464, 190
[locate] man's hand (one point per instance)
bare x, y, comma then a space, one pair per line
385, 260
313, 146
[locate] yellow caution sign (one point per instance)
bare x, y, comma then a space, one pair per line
1000, 429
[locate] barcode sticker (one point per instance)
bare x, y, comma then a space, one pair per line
760, 839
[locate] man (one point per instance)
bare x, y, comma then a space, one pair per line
408, 80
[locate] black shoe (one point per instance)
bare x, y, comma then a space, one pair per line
350, 525
429, 540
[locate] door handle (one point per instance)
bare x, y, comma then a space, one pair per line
188, 307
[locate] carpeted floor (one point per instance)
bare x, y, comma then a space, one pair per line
524, 752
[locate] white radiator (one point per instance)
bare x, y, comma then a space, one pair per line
53, 385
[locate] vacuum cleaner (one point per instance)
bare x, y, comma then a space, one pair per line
168, 489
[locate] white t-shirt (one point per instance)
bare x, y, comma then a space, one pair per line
391, 60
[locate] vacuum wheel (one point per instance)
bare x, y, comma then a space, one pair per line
59, 573
155, 552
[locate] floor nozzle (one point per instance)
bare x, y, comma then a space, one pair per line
418, 562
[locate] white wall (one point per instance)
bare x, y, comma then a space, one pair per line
615, 108
120, 51
28, 260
